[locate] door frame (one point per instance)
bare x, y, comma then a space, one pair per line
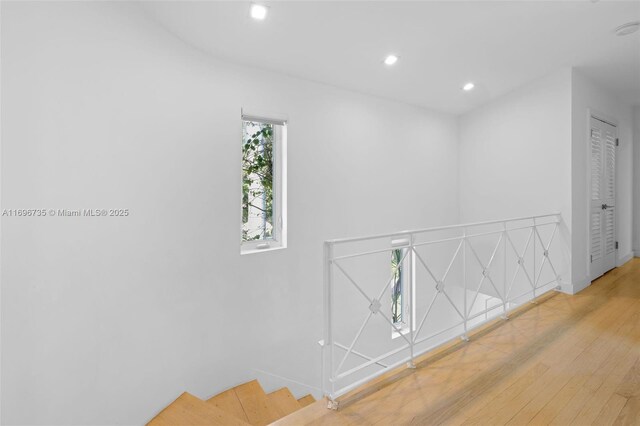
609, 119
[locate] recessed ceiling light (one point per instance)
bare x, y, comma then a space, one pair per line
468, 86
390, 60
628, 28
258, 11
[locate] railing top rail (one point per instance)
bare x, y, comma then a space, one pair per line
437, 228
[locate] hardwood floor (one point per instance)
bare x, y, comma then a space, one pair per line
570, 360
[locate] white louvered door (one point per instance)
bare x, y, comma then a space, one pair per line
603, 197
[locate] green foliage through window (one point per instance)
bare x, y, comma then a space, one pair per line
396, 290
257, 181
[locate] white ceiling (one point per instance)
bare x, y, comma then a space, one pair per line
498, 45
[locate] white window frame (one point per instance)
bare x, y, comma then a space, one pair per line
279, 235
408, 285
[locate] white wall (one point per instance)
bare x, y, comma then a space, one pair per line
528, 152
515, 155
636, 180
588, 98
105, 320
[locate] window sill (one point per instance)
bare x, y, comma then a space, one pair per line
403, 331
253, 250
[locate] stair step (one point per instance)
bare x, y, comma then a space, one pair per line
315, 413
188, 410
255, 404
228, 402
284, 402
306, 400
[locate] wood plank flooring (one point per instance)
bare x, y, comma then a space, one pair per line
570, 360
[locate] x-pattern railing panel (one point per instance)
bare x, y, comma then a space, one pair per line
486, 271
374, 308
545, 254
520, 262
440, 288
467, 250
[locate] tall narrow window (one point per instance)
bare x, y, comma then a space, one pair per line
397, 284
263, 144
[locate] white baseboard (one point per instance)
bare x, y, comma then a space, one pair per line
576, 286
624, 259
579, 285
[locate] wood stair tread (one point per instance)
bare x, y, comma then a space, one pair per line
283, 401
306, 400
315, 413
229, 402
188, 410
255, 404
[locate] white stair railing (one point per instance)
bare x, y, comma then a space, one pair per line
382, 313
